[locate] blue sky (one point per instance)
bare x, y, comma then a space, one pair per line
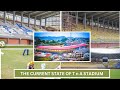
66, 34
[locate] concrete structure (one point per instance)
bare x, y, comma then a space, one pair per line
24, 36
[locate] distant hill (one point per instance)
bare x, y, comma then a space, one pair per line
52, 38
63, 39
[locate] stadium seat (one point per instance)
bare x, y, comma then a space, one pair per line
101, 35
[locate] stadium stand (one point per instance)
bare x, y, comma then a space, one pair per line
100, 56
17, 31
104, 26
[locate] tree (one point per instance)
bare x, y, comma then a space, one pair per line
64, 39
37, 41
53, 41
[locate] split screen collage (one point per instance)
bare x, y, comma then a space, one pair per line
59, 40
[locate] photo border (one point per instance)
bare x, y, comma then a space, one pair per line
69, 61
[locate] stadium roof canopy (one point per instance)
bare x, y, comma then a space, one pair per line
36, 14
103, 15
101, 52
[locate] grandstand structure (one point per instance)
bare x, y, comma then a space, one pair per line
104, 26
17, 27
99, 53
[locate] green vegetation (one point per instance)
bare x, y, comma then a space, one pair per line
115, 73
27, 46
46, 42
49, 65
76, 64
13, 59
42, 58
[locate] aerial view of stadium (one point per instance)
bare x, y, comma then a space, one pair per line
62, 46
16, 35
104, 28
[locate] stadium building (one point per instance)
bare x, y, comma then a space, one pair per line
104, 28
17, 27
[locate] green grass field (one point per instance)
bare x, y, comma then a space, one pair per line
82, 65
25, 46
13, 59
49, 65
115, 73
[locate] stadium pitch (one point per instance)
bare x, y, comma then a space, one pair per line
48, 65
76, 65
13, 59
